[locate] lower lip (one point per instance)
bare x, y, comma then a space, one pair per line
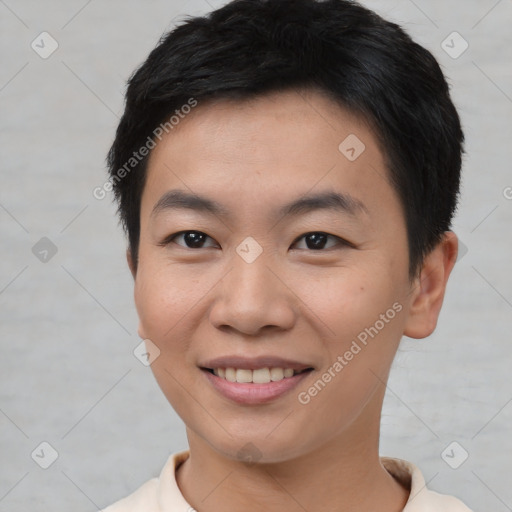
253, 394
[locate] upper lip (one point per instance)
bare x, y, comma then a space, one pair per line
253, 363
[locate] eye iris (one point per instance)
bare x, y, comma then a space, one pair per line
193, 238
318, 240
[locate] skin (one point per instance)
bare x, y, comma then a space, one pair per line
292, 301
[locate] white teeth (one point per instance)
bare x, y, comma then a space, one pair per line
244, 375
230, 374
280, 373
259, 376
276, 374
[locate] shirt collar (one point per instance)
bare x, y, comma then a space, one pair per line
170, 497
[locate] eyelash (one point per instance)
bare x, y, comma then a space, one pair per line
340, 242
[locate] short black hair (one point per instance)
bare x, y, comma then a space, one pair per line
366, 64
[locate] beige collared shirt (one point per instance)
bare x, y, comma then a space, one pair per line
162, 494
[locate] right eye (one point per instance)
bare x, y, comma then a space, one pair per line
189, 239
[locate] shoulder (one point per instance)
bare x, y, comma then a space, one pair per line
435, 502
420, 499
161, 493
144, 499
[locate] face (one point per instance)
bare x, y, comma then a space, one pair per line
270, 244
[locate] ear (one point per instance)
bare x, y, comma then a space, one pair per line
131, 263
133, 270
427, 290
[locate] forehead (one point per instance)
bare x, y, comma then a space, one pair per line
297, 115
281, 144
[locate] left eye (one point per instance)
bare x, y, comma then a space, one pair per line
318, 240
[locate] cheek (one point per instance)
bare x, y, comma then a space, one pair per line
367, 320
358, 307
344, 300
165, 300
162, 298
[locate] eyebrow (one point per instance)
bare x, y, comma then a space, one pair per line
329, 200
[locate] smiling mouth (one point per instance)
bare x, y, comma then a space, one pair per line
258, 376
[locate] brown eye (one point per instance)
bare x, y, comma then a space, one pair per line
318, 240
190, 239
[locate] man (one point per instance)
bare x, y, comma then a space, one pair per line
286, 173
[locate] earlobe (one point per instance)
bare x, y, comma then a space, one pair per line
130, 261
428, 289
131, 265
140, 332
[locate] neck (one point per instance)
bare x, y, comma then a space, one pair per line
342, 474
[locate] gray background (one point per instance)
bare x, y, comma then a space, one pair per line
68, 375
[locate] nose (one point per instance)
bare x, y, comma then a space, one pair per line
252, 298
